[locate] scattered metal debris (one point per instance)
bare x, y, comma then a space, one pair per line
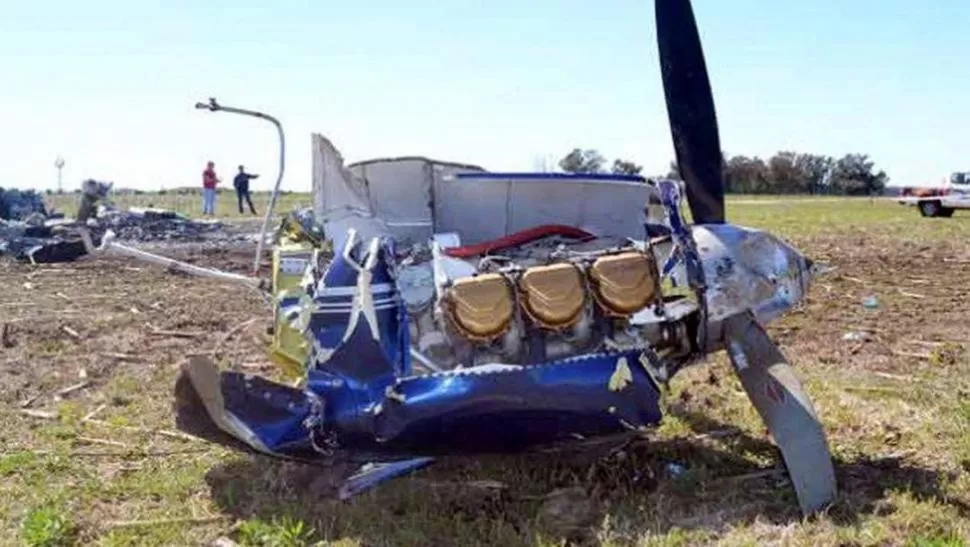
856, 336
19, 205
372, 474
675, 470
145, 225
30, 233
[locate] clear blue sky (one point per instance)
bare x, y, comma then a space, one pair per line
506, 84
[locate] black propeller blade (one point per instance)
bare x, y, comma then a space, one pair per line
690, 107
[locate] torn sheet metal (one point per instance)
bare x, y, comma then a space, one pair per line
370, 475
361, 394
748, 269
38, 244
19, 205
478, 410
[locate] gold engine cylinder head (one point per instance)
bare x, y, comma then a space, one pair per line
553, 296
624, 283
480, 308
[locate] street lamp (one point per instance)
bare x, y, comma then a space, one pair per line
213, 106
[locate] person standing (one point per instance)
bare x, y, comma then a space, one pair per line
241, 182
209, 182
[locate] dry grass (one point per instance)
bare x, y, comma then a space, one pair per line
896, 409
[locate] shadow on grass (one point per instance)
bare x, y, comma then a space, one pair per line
864, 482
716, 485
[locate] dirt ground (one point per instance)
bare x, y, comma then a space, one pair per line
90, 454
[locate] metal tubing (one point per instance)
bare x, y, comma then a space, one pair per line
425, 360
214, 107
108, 244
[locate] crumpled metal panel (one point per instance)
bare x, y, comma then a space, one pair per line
500, 409
360, 393
145, 225
748, 269
330, 311
37, 244
486, 409
20, 204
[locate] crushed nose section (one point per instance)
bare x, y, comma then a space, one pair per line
244, 413
747, 269
353, 314
493, 409
486, 409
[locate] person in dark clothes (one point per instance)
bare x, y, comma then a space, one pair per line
241, 182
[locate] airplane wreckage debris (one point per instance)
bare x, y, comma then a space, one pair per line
479, 339
463, 312
30, 233
468, 323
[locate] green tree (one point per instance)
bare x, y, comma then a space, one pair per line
784, 176
582, 161
814, 169
853, 175
746, 175
623, 167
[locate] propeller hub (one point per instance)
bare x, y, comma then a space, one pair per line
747, 269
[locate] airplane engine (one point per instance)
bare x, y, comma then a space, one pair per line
527, 313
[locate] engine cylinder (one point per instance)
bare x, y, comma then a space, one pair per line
553, 296
624, 283
480, 308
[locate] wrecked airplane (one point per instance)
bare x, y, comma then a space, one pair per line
463, 311
31, 233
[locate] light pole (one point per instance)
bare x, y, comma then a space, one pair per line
213, 106
59, 164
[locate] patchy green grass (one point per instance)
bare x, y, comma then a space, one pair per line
896, 408
48, 526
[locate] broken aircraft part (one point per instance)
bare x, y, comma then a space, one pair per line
545, 321
214, 106
110, 246
18, 205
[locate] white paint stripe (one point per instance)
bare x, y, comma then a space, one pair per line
351, 291
348, 309
392, 299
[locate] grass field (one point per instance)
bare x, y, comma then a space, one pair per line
227, 207
94, 461
190, 204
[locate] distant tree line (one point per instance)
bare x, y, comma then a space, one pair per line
784, 173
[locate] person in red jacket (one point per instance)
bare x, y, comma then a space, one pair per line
209, 181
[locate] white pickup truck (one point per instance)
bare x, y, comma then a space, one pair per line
941, 201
